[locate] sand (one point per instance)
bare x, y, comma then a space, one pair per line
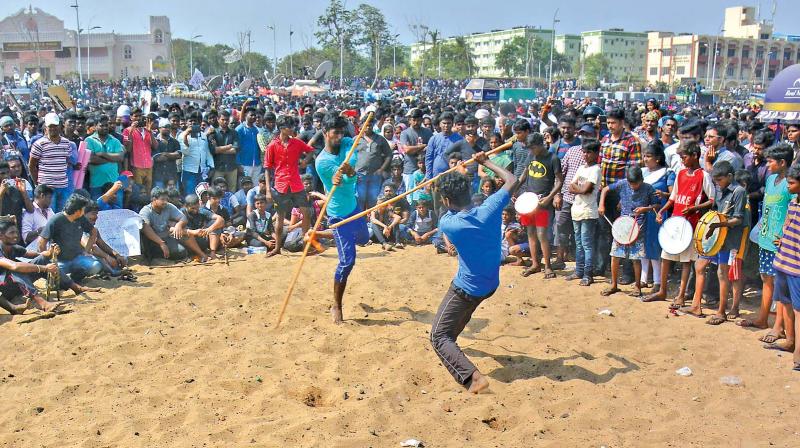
189, 357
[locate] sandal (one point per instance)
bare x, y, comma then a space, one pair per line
586, 281
636, 294
779, 347
687, 311
652, 298
796, 367
127, 277
531, 270
609, 291
548, 274
571, 277
559, 266
770, 337
716, 320
747, 323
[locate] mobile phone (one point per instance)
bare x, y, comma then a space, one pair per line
195, 130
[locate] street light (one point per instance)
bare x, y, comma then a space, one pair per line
78, 38
191, 55
89, 51
394, 56
552, 48
291, 63
274, 49
764, 70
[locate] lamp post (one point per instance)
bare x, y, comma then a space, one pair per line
191, 55
583, 62
764, 70
89, 51
274, 49
78, 38
291, 63
552, 48
394, 56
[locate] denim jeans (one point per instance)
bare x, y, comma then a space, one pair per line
190, 181
60, 196
369, 188
584, 247
80, 267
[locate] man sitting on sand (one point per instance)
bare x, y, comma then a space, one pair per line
474, 233
159, 237
17, 276
202, 225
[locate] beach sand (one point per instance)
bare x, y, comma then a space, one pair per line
190, 357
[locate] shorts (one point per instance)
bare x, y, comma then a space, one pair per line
540, 219
524, 248
285, 202
687, 256
787, 289
722, 257
633, 251
765, 259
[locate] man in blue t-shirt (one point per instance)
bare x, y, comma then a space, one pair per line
333, 170
474, 231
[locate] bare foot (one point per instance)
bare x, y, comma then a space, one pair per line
336, 314
273, 252
78, 289
44, 305
747, 323
479, 383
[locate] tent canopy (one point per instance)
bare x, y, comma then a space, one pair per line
782, 101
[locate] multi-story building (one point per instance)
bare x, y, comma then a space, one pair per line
570, 46
747, 54
33, 41
485, 47
624, 50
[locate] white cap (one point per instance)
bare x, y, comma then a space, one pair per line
164, 123
52, 118
124, 111
480, 114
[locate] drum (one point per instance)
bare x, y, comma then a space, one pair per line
675, 235
625, 230
526, 204
710, 244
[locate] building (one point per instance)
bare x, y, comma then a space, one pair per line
570, 46
486, 45
34, 41
625, 51
747, 54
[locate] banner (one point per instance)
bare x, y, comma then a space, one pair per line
232, 57
120, 230
197, 79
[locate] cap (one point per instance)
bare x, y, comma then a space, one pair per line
414, 113
124, 111
588, 129
164, 123
126, 174
480, 114
6, 120
52, 118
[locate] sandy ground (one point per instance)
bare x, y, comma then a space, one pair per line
189, 357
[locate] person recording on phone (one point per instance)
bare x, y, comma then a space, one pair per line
13, 199
140, 144
196, 154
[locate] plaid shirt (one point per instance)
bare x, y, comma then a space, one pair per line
616, 156
572, 160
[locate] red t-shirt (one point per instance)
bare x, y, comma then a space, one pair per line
688, 192
284, 161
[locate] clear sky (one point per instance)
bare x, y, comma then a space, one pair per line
219, 21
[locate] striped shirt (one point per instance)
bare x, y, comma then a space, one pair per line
617, 155
52, 157
787, 260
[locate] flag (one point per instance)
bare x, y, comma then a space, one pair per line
232, 57
197, 79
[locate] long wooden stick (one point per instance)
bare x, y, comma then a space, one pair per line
319, 221
499, 149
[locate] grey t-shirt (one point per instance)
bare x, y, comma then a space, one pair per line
731, 202
410, 137
371, 155
160, 221
67, 234
466, 151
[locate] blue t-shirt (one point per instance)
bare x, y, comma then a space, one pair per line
474, 234
343, 201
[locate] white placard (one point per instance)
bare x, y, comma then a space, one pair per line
120, 230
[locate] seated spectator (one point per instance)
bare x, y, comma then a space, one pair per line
113, 262
33, 222
66, 229
163, 229
230, 203
17, 276
13, 197
15, 172
385, 225
513, 236
203, 227
396, 178
114, 194
246, 184
261, 188
422, 223
259, 225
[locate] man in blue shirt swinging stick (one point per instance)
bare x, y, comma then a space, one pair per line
332, 171
474, 231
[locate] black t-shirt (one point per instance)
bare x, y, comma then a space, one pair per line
199, 220
16, 252
541, 172
13, 204
166, 170
225, 137
67, 234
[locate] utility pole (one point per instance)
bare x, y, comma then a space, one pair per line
78, 39
89, 51
191, 55
552, 48
341, 60
291, 62
274, 48
394, 56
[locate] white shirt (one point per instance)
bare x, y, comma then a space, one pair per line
35, 221
585, 205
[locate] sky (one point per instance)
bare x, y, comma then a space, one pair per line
217, 22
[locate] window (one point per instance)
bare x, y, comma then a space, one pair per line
683, 50
787, 54
158, 37
680, 70
729, 71
127, 52
653, 71
667, 52
664, 71
745, 53
731, 52
759, 53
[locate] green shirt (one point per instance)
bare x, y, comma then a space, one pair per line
103, 173
502, 160
773, 212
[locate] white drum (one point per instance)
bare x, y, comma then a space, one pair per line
625, 230
526, 204
675, 235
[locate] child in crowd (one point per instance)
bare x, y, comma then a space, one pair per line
385, 222
742, 178
729, 200
512, 235
691, 195
454, 158
396, 177
585, 186
775, 204
417, 178
542, 177
422, 223
636, 198
246, 185
488, 187
787, 268
259, 225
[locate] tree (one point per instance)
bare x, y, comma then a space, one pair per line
457, 60
375, 33
519, 52
210, 59
596, 68
511, 58
462, 48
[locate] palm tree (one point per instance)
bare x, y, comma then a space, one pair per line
464, 48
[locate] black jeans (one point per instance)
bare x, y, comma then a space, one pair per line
454, 313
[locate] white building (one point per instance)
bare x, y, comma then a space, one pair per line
34, 41
624, 50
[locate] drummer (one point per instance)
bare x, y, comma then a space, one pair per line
729, 200
636, 199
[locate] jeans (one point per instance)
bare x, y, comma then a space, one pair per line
368, 188
602, 259
252, 171
584, 247
60, 196
80, 267
190, 181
